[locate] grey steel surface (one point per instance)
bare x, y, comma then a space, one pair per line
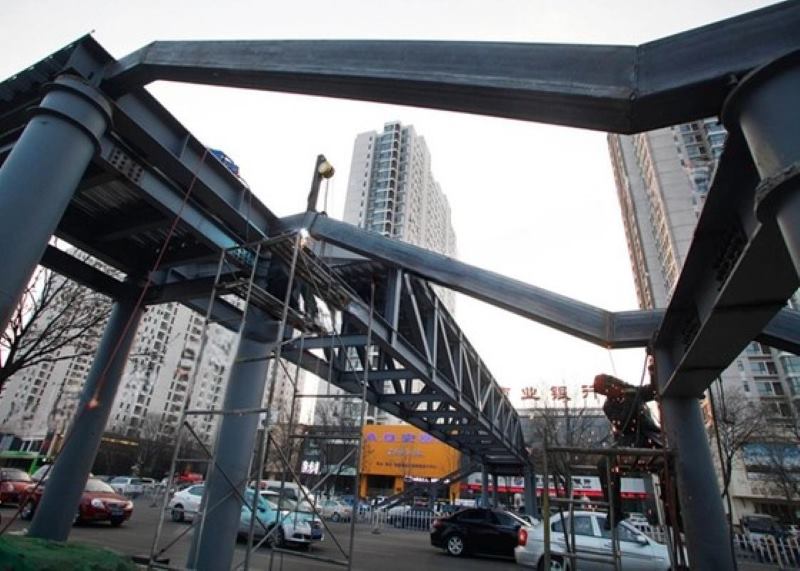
624, 89
39, 177
213, 544
56, 511
153, 178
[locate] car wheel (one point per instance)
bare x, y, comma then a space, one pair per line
455, 545
77, 520
177, 513
336, 517
27, 510
277, 539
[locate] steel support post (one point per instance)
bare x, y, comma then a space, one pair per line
213, 544
495, 491
56, 511
530, 491
484, 487
764, 107
40, 176
702, 513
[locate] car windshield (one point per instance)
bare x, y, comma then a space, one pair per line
14, 475
508, 518
761, 524
93, 485
273, 500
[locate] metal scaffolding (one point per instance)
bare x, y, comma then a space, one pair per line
308, 282
619, 460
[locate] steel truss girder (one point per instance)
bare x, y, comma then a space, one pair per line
433, 393
622, 89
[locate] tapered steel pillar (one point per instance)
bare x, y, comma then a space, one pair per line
40, 176
495, 491
764, 106
704, 522
530, 491
213, 544
56, 511
484, 487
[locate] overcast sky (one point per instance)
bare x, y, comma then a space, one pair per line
530, 201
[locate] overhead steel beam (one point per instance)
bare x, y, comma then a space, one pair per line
143, 123
622, 330
783, 332
722, 301
84, 274
622, 89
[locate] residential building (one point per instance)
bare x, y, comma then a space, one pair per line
392, 191
38, 404
662, 179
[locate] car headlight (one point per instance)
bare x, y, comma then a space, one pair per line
98, 503
8, 487
128, 505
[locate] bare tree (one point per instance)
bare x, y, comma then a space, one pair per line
55, 320
739, 420
777, 460
154, 448
559, 424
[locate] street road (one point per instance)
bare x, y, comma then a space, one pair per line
392, 549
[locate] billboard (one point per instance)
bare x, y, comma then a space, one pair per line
403, 450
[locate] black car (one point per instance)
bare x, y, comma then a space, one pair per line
477, 530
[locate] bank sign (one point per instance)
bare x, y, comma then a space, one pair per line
401, 450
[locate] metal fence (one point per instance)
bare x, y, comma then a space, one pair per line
379, 519
784, 553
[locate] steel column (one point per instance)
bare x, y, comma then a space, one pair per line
39, 178
495, 491
702, 513
764, 107
56, 511
530, 492
484, 487
213, 545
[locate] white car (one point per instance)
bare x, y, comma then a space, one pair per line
639, 552
299, 525
185, 504
335, 510
127, 486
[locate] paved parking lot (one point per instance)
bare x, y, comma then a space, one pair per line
392, 549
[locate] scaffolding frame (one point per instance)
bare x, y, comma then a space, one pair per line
236, 276
672, 535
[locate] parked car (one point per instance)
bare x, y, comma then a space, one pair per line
13, 483
298, 526
757, 527
289, 490
99, 502
415, 518
477, 530
185, 504
335, 510
127, 486
592, 537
